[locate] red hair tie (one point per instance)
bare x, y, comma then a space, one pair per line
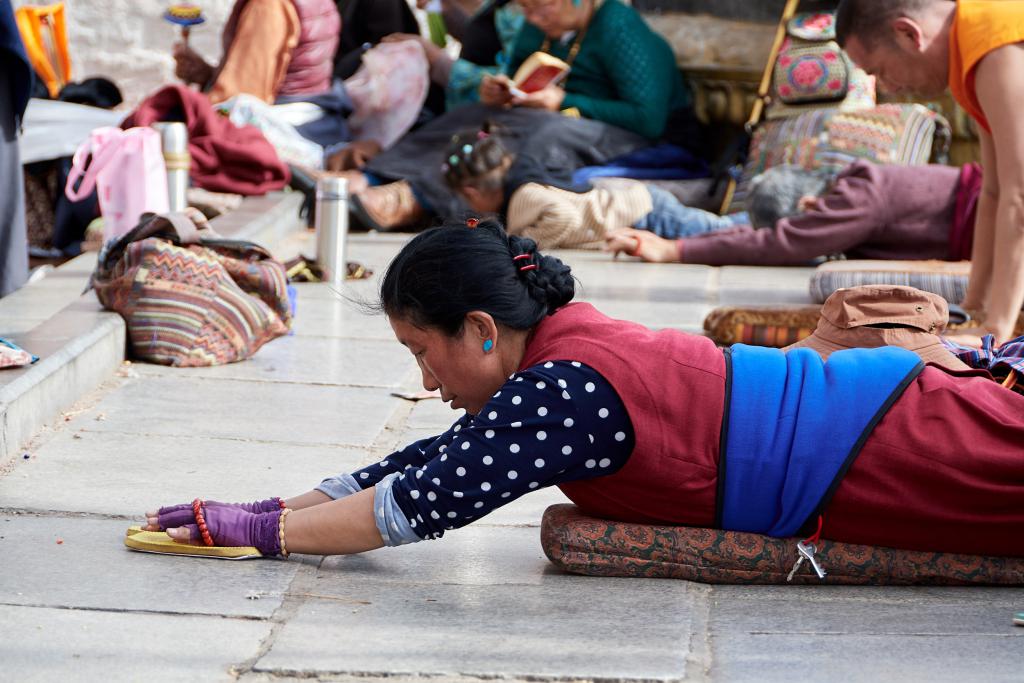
532, 266
520, 257
472, 222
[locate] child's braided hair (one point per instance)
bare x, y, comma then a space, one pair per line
477, 158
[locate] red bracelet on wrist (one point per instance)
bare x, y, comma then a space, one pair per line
204, 531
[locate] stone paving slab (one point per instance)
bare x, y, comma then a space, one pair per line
123, 467
856, 658
327, 315
748, 285
38, 644
867, 610
234, 409
474, 555
611, 629
312, 360
865, 633
105, 575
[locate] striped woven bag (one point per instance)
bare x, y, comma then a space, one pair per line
190, 298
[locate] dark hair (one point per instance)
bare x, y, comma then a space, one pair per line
865, 19
446, 272
477, 158
776, 193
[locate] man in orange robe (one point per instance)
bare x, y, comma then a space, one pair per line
976, 49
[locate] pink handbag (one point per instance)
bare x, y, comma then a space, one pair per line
126, 167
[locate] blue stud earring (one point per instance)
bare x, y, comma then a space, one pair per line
488, 345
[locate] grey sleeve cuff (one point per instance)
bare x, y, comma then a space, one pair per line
339, 486
394, 528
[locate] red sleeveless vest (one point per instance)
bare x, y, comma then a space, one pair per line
673, 387
312, 61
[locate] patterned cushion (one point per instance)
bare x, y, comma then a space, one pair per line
948, 279
580, 544
830, 139
761, 326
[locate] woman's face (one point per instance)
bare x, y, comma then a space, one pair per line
552, 17
466, 374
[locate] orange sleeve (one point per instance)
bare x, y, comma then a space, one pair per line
258, 57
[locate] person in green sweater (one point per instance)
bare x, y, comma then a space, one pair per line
622, 72
623, 92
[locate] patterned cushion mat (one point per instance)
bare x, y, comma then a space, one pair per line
580, 544
948, 279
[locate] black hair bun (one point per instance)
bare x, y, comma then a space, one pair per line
551, 282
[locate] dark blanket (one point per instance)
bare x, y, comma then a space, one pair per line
225, 157
548, 148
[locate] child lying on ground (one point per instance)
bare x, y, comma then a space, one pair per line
476, 167
870, 211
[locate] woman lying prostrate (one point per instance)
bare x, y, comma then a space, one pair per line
647, 426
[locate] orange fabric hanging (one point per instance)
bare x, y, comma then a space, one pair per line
44, 32
980, 27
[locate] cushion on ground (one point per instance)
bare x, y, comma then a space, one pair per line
948, 279
597, 547
776, 326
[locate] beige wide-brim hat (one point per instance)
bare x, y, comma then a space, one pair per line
870, 316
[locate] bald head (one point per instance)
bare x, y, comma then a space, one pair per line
868, 20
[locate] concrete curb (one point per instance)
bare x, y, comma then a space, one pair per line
81, 345
78, 348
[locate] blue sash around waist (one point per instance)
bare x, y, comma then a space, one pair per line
794, 426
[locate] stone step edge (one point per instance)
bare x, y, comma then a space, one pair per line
82, 345
79, 348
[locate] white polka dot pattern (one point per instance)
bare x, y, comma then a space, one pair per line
535, 435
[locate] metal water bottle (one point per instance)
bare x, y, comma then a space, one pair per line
174, 138
332, 228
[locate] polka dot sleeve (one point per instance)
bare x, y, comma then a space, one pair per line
550, 424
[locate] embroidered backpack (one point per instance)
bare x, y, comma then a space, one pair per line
190, 297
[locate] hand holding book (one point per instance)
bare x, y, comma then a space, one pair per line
535, 84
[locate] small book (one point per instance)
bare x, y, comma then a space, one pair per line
538, 71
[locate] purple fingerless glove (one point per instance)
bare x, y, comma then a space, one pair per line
232, 526
180, 515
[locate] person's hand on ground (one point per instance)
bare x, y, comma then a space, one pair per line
354, 156
643, 244
189, 66
433, 52
549, 98
494, 91
173, 516
229, 526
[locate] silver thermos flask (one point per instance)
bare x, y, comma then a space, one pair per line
332, 228
174, 138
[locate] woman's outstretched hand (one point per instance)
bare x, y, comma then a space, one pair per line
174, 516
230, 526
643, 244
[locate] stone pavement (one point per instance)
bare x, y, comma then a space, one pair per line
481, 603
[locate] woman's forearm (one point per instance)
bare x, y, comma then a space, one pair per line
338, 527
307, 500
